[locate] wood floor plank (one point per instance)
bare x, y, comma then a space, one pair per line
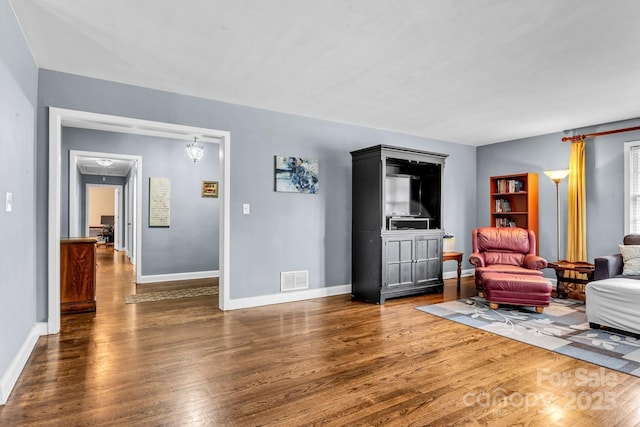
327, 361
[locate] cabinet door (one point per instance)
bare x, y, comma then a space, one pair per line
427, 259
399, 261
77, 277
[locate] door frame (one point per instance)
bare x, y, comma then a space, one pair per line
74, 223
59, 118
117, 210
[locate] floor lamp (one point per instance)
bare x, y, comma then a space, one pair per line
557, 176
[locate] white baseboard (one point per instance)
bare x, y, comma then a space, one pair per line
11, 375
179, 276
290, 296
454, 274
293, 296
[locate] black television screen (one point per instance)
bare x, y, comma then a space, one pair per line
106, 219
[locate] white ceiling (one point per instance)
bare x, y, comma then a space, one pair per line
467, 71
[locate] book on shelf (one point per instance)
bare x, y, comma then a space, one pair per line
505, 222
509, 185
502, 205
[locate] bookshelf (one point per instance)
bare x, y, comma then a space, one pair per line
514, 201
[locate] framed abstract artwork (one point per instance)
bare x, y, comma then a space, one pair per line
296, 174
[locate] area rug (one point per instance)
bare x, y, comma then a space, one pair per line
562, 328
172, 294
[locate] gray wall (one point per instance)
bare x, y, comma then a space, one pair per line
604, 171
284, 231
190, 244
18, 101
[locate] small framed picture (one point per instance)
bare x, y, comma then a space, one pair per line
209, 188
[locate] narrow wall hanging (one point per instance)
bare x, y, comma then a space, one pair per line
159, 202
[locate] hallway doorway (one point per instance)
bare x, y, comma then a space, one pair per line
101, 214
121, 175
60, 118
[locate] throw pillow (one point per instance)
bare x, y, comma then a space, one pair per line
631, 258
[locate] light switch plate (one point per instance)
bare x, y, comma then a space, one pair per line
246, 209
9, 202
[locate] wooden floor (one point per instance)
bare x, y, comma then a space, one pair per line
327, 361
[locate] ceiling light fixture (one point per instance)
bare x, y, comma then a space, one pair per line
104, 162
195, 150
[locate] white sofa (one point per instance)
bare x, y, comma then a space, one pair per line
613, 298
614, 303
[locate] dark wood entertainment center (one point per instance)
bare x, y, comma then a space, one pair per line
396, 222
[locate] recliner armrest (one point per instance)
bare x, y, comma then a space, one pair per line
476, 259
534, 262
607, 266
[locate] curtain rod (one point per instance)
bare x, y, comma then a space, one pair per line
592, 135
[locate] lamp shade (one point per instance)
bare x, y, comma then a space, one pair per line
557, 175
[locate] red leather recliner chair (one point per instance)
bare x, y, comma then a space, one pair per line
505, 250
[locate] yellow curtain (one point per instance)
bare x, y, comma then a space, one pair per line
577, 205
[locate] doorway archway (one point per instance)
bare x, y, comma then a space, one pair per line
59, 118
132, 164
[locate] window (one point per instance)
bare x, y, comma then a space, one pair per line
632, 187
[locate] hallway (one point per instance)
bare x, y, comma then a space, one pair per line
89, 373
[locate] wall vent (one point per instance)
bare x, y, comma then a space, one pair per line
294, 280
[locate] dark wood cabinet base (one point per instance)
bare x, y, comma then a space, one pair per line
77, 307
381, 297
